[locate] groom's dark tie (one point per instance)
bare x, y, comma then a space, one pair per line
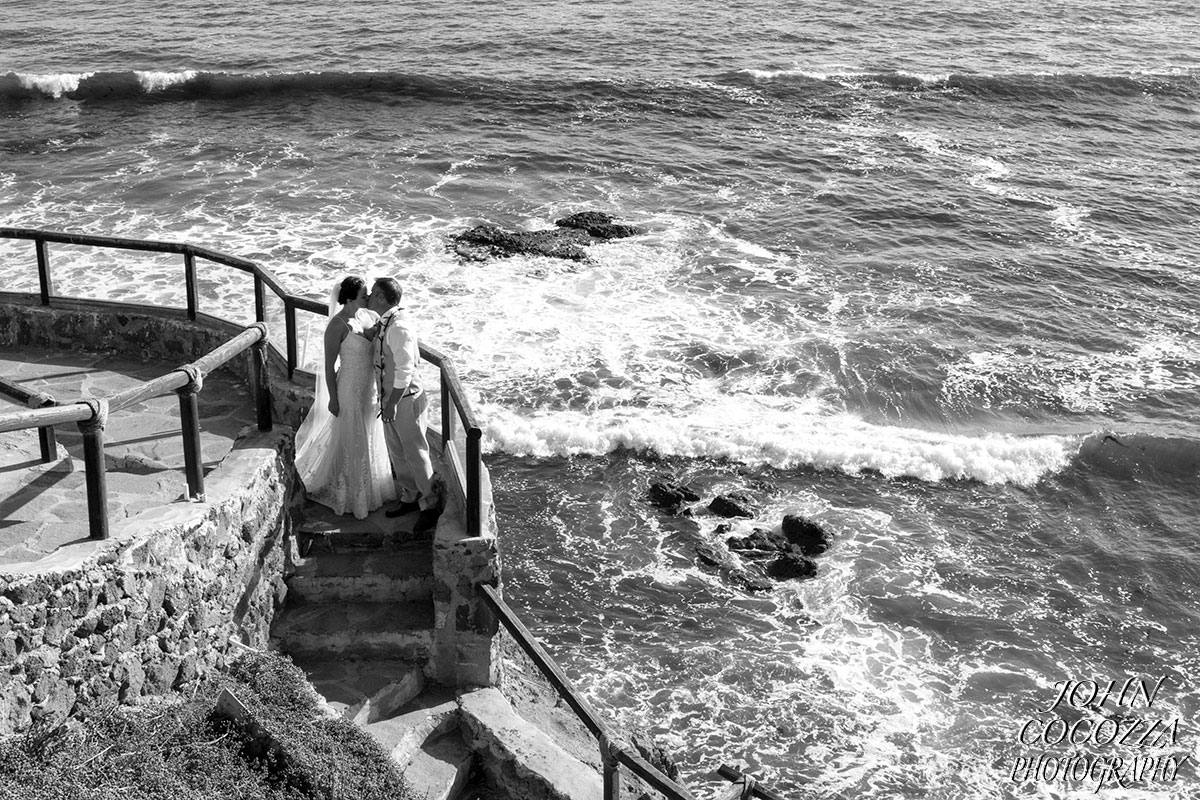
383, 391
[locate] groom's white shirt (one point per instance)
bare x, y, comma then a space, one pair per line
400, 339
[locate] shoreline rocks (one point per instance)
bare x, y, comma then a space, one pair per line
670, 496
566, 240
758, 559
731, 505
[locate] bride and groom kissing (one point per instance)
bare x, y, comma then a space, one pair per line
363, 442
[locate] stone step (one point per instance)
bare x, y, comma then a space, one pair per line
439, 770
365, 690
349, 539
404, 574
326, 631
522, 760
432, 715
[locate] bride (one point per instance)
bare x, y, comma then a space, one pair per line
341, 454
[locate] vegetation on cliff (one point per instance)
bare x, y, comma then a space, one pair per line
180, 749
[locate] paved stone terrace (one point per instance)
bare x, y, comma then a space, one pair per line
44, 506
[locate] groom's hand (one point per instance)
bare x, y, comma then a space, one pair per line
389, 411
334, 408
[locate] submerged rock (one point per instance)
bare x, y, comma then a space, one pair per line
671, 496
708, 555
790, 566
761, 541
488, 241
807, 535
731, 505
567, 240
598, 225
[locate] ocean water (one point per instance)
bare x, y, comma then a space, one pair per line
925, 273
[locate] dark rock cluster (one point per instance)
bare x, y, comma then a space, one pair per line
670, 497
567, 240
768, 554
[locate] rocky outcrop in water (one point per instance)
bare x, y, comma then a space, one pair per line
731, 505
807, 535
779, 555
566, 240
670, 496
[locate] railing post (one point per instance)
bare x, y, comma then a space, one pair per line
611, 769
472, 466
261, 379
189, 418
260, 299
44, 279
289, 311
46, 438
92, 431
189, 276
447, 413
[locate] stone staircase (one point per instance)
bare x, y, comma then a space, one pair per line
359, 621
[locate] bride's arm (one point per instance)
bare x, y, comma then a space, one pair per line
335, 331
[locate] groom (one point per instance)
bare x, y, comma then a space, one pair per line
403, 404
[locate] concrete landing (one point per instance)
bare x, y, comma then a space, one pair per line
44, 506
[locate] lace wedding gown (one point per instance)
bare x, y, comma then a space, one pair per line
343, 460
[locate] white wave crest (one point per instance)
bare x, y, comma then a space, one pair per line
54, 84
152, 81
753, 433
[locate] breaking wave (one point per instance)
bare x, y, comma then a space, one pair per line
1033, 85
785, 440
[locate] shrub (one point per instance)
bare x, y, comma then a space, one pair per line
177, 750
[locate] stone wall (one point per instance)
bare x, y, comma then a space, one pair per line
466, 640
175, 590
157, 607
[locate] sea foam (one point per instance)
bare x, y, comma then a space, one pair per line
743, 430
152, 81
53, 84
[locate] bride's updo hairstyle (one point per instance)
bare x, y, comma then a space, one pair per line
350, 289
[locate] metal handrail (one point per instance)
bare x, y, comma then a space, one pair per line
612, 755
91, 416
467, 476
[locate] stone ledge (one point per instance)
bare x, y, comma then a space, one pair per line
521, 760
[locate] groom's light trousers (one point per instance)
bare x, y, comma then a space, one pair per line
408, 448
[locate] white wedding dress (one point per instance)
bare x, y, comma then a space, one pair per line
343, 460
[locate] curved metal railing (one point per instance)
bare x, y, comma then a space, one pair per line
186, 381
466, 468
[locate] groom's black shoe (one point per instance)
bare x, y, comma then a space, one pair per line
427, 521
405, 507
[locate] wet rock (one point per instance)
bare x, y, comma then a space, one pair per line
790, 566
655, 754
731, 505
671, 496
750, 581
567, 240
760, 540
708, 555
807, 535
711, 559
598, 225
489, 241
